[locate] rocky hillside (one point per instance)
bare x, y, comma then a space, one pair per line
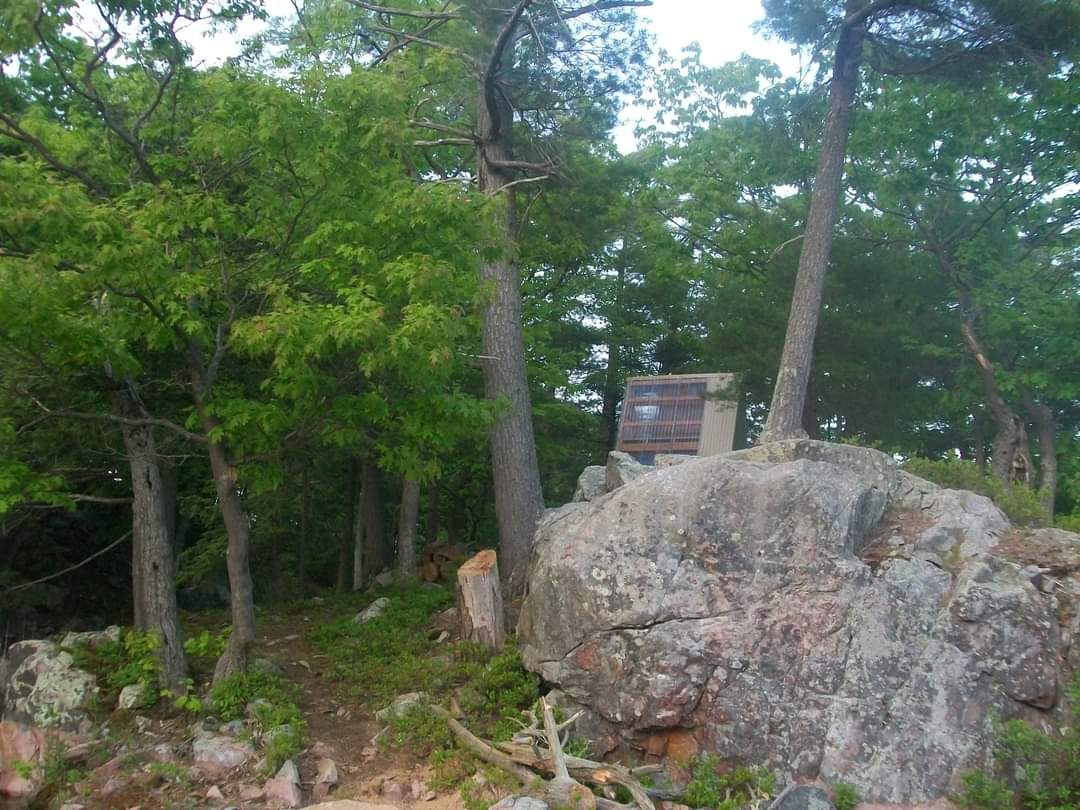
806, 606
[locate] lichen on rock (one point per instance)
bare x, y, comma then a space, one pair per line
727, 598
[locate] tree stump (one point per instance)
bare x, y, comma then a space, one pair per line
479, 601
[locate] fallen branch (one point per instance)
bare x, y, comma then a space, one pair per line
538, 749
482, 749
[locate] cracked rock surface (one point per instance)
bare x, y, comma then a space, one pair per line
733, 597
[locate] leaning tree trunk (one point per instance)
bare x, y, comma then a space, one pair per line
789, 394
153, 564
237, 558
407, 520
519, 497
1046, 429
1010, 458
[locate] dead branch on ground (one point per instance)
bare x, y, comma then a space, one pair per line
538, 749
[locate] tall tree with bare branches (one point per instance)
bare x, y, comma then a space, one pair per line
899, 37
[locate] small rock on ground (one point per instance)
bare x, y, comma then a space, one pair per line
401, 704
802, 797
519, 803
284, 791
373, 611
289, 772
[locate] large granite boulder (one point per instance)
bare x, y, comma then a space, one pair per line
41, 686
801, 605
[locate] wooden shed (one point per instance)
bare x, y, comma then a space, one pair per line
684, 414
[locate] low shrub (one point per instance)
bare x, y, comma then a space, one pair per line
726, 791
1020, 503
1034, 770
133, 659
845, 796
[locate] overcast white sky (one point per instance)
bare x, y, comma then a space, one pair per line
723, 28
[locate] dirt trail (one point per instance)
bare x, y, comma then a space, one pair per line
337, 727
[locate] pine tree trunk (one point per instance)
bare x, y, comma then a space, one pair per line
519, 498
407, 521
153, 564
809, 418
237, 558
613, 381
1046, 430
479, 601
789, 394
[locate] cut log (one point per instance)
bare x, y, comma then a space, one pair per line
479, 601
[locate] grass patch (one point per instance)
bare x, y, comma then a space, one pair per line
277, 717
390, 655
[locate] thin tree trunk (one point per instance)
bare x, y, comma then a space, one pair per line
374, 532
345, 547
359, 569
431, 516
1046, 430
980, 444
789, 394
455, 524
408, 518
305, 527
237, 558
1010, 459
153, 565
612, 376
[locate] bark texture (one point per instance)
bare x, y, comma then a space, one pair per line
407, 520
789, 394
518, 495
479, 601
237, 558
153, 564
